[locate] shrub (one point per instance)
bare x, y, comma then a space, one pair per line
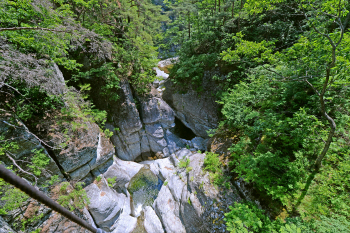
72, 198
184, 163
111, 181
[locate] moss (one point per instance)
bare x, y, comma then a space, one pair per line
143, 179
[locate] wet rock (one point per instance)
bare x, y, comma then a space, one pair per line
143, 188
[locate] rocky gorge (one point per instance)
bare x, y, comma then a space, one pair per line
147, 177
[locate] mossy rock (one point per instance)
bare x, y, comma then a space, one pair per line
144, 189
144, 179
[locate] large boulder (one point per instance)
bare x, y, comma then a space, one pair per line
144, 188
106, 205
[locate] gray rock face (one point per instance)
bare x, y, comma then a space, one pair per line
88, 151
155, 110
125, 122
107, 205
174, 142
120, 176
168, 210
197, 143
5, 227
152, 223
125, 224
198, 111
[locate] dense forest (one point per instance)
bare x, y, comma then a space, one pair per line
285, 93
280, 71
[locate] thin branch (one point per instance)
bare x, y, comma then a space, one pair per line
339, 10
4, 84
273, 71
19, 168
312, 86
320, 137
31, 28
40, 141
341, 33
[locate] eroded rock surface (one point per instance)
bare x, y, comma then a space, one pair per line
153, 195
197, 110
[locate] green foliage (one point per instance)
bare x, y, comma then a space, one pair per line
72, 198
213, 165
244, 216
191, 69
13, 198
166, 183
32, 102
110, 77
99, 178
53, 180
183, 163
36, 231
247, 217
212, 162
111, 181
108, 133
39, 161
34, 218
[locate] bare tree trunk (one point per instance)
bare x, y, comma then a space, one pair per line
233, 7
189, 26
239, 18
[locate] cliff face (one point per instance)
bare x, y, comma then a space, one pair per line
134, 180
